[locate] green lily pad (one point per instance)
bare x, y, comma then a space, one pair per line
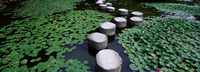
172, 43
29, 36
40, 7
176, 8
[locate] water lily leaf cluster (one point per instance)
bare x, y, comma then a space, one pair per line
44, 7
168, 44
52, 65
175, 8
38, 43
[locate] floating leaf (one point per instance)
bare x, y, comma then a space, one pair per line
24, 61
40, 7
171, 43
134, 67
175, 8
40, 38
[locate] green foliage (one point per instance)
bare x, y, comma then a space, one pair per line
171, 44
50, 33
176, 8
76, 66
198, 66
54, 65
44, 7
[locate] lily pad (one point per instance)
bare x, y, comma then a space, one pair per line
167, 39
44, 7
49, 33
175, 8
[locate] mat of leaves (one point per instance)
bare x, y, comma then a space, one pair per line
166, 44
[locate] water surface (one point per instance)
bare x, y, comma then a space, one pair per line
83, 52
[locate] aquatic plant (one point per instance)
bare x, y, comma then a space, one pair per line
37, 44
198, 66
44, 7
163, 44
176, 8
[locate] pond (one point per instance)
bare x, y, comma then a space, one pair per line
132, 5
82, 52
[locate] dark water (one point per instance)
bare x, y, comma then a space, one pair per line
83, 52
5, 18
131, 5
135, 5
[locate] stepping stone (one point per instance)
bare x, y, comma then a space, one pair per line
107, 28
109, 4
97, 40
102, 0
103, 6
98, 3
108, 61
122, 11
137, 14
136, 20
120, 22
110, 9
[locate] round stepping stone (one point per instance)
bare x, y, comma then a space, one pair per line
102, 0
103, 6
120, 22
137, 14
136, 20
108, 61
109, 4
122, 11
107, 28
110, 9
97, 40
99, 2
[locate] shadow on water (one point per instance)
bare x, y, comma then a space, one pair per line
6, 19
135, 5
83, 52
131, 5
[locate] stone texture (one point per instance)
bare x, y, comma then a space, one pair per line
136, 20
137, 14
120, 22
103, 6
100, 2
97, 40
108, 61
109, 4
107, 28
123, 11
110, 9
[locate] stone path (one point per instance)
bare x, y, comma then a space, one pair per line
108, 60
